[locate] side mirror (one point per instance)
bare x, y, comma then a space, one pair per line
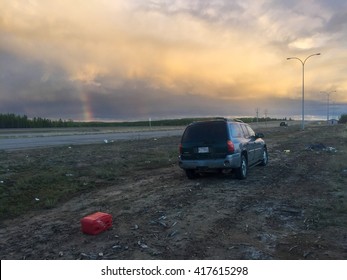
259, 135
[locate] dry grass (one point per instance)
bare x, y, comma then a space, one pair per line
41, 178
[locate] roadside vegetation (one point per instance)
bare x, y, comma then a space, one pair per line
40, 179
294, 208
343, 119
18, 121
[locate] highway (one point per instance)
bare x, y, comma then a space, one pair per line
31, 140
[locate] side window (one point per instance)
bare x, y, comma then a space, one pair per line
250, 131
245, 131
236, 131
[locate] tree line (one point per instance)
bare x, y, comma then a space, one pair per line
17, 121
22, 121
343, 118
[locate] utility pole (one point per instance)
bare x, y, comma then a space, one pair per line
328, 97
328, 101
266, 113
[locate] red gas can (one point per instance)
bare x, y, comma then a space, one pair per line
96, 223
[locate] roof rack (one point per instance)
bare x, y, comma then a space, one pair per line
226, 119
220, 118
238, 120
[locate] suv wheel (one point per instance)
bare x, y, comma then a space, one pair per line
265, 159
241, 172
191, 174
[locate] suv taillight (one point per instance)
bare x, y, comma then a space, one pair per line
231, 147
180, 148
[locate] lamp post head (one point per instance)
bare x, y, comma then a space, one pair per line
303, 62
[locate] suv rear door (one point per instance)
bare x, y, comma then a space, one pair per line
205, 140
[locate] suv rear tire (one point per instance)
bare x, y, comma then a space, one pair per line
241, 172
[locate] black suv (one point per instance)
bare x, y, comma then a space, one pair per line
221, 144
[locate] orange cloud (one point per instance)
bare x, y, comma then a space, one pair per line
180, 47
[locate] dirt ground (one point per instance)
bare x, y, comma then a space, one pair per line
293, 208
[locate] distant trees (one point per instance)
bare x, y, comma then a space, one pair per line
12, 121
343, 118
17, 121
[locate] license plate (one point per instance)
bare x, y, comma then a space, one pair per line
202, 150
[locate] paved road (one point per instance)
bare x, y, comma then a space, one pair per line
38, 142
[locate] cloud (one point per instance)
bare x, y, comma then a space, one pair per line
201, 57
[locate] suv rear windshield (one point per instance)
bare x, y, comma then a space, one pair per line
206, 132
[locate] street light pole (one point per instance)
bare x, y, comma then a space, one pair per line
303, 87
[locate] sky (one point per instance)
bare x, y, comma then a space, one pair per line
135, 59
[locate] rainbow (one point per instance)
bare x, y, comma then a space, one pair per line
86, 107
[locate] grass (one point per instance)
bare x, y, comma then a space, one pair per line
331, 210
43, 178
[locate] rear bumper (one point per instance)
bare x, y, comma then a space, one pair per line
229, 162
